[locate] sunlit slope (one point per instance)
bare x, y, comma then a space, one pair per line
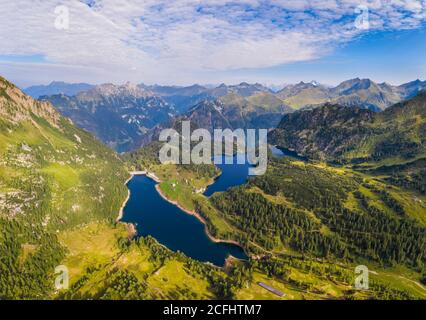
53, 177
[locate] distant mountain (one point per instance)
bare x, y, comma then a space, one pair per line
410, 89
210, 115
122, 116
117, 115
304, 94
262, 110
336, 133
57, 87
186, 97
362, 93
243, 89
165, 91
182, 98
365, 93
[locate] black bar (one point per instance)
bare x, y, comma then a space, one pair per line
163, 310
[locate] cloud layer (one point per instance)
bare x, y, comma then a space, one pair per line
181, 41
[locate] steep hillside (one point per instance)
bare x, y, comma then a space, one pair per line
335, 133
53, 177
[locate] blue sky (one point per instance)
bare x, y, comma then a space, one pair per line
387, 56
212, 41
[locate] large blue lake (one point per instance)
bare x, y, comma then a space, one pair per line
178, 230
173, 227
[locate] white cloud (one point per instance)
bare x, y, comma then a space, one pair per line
174, 41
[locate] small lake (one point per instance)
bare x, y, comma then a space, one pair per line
232, 175
284, 152
171, 226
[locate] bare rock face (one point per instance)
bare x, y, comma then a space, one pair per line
16, 106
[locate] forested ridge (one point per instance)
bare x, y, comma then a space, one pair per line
316, 220
351, 135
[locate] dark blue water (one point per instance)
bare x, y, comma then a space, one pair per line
171, 226
232, 175
283, 152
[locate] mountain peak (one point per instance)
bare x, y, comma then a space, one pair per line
206, 103
127, 89
56, 83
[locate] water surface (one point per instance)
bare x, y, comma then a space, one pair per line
232, 175
171, 226
284, 152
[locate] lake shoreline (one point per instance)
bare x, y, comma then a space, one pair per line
132, 227
121, 211
200, 218
132, 174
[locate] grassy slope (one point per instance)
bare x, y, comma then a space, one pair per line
95, 255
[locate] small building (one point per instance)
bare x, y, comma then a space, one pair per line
271, 289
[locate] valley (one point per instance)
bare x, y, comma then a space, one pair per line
324, 181
195, 156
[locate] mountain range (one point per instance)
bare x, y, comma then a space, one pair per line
363, 93
124, 116
117, 115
